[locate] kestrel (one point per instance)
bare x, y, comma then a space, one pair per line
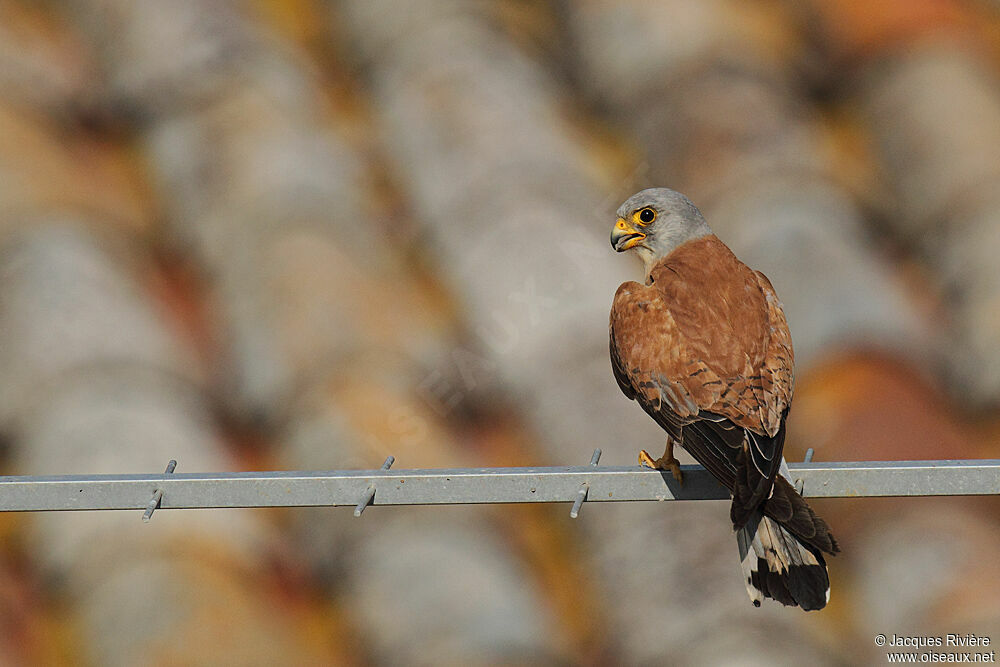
704, 347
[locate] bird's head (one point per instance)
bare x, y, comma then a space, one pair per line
654, 222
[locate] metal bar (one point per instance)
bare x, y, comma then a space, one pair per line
477, 485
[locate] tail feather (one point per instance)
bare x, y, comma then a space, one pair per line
776, 565
781, 550
789, 509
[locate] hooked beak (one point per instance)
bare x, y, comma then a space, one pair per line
625, 236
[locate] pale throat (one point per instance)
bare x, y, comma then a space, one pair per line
649, 259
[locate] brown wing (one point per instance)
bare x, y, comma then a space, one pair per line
777, 368
706, 352
652, 360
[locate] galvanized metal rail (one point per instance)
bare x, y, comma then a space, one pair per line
569, 484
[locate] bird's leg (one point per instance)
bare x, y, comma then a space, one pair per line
665, 462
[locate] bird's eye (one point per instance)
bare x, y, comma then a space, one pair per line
647, 215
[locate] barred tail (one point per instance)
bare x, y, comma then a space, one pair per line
778, 566
781, 550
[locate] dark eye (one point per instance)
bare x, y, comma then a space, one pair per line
647, 215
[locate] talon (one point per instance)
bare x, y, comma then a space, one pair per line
663, 463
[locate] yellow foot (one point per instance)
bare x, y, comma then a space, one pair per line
662, 463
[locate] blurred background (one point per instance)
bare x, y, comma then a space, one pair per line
297, 235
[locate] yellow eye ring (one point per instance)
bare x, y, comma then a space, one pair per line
645, 215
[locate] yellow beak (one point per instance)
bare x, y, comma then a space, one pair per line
625, 236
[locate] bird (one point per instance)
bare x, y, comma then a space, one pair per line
704, 347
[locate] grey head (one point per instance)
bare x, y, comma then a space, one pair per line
655, 221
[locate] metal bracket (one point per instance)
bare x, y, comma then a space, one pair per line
799, 484
581, 494
154, 502
370, 491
